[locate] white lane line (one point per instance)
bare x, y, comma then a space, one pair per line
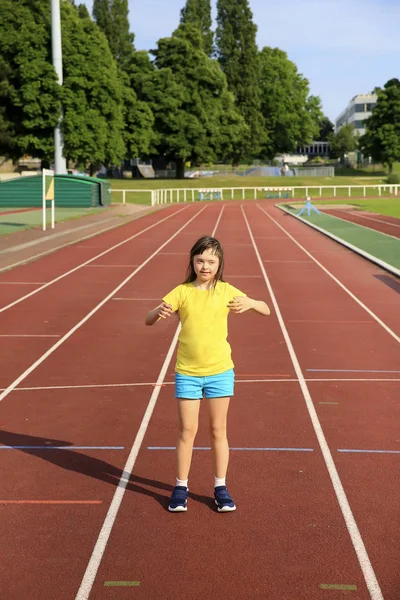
101, 543
53, 348
352, 527
89, 261
95, 386
335, 279
355, 213
109, 266
30, 335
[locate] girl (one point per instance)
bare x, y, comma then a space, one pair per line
204, 365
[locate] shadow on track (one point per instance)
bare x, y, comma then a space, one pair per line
73, 460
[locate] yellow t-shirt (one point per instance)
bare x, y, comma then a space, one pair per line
203, 346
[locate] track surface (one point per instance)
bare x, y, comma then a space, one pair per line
382, 223
321, 375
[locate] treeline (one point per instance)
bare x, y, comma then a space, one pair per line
199, 96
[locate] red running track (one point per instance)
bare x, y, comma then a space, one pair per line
382, 223
319, 376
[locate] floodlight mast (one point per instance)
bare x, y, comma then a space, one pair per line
60, 165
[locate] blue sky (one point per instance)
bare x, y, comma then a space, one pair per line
343, 47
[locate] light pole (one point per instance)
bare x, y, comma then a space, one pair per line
60, 165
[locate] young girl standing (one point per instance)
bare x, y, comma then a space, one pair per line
204, 365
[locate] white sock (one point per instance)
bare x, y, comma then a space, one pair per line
181, 482
219, 481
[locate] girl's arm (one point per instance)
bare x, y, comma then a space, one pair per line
242, 303
163, 311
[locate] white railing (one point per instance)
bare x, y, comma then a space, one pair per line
172, 195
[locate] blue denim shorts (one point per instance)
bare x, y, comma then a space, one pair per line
212, 386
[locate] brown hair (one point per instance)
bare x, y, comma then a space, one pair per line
206, 243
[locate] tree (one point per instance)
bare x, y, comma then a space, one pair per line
112, 18
382, 138
292, 116
238, 56
343, 141
30, 94
195, 115
325, 129
92, 93
198, 12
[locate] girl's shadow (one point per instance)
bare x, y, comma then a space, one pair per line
71, 460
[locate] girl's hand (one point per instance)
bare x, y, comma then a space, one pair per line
164, 311
240, 304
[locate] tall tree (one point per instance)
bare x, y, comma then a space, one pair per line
30, 94
112, 18
292, 116
196, 119
92, 93
198, 12
382, 138
238, 56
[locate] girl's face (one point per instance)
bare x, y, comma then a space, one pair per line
206, 265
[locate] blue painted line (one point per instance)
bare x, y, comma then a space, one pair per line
246, 449
348, 371
62, 447
369, 451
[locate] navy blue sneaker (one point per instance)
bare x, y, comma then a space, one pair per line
223, 499
178, 502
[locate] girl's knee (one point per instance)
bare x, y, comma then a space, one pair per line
187, 434
218, 432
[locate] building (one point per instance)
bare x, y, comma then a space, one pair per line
315, 149
359, 109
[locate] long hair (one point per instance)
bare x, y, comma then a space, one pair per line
206, 243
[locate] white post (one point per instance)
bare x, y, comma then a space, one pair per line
52, 214
349, 192
306, 192
232, 193
364, 191
60, 165
243, 194
320, 192
184, 195
44, 202
334, 192
123, 197
380, 191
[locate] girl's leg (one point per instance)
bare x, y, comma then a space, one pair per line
218, 413
188, 411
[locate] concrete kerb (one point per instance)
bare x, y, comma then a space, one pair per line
339, 240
